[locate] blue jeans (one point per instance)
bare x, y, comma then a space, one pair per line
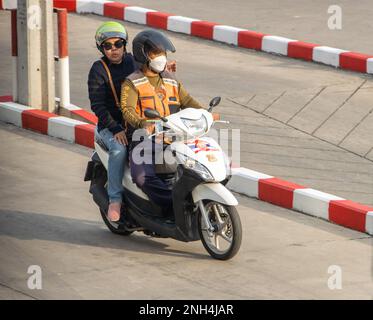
117, 158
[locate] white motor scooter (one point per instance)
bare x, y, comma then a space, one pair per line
203, 208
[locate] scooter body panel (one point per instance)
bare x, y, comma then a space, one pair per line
214, 191
190, 187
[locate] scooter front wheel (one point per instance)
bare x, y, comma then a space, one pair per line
224, 241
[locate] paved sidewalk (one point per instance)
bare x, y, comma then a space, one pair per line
340, 114
274, 148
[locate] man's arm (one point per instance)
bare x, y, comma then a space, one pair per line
186, 100
97, 94
128, 102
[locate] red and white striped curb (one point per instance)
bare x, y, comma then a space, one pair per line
77, 112
251, 183
296, 197
338, 58
46, 123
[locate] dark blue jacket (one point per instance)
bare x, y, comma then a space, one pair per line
100, 94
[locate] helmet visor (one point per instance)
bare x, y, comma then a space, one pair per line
108, 35
159, 42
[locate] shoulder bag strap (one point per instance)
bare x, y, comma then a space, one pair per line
111, 83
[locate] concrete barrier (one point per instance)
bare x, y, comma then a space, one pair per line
335, 57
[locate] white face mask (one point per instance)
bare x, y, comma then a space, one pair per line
158, 64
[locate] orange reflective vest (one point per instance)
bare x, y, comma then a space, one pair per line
165, 99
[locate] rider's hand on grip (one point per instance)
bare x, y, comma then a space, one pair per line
149, 127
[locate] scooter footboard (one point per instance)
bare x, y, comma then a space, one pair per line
214, 191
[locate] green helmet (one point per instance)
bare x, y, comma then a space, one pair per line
110, 29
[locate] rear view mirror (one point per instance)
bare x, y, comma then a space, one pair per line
214, 102
152, 114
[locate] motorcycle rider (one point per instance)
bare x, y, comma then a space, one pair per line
104, 84
104, 81
151, 87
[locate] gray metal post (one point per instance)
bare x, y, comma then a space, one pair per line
35, 69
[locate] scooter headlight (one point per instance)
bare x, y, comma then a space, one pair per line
196, 127
197, 167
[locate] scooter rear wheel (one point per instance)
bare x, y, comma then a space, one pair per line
224, 242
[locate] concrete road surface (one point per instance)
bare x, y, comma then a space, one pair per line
48, 219
299, 121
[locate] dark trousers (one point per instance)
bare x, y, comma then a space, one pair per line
143, 174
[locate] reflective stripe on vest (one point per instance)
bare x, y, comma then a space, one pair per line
165, 99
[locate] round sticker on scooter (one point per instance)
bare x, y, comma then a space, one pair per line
211, 157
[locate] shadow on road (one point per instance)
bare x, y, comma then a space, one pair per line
31, 225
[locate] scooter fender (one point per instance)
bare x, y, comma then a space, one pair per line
214, 191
